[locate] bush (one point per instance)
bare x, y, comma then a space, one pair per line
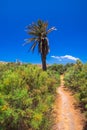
26, 97
76, 80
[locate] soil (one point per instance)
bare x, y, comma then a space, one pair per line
67, 116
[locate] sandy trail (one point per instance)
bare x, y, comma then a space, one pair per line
67, 117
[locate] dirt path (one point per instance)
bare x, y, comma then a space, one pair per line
67, 117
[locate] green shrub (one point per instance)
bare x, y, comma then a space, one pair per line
76, 80
26, 97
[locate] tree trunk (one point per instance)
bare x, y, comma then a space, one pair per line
43, 57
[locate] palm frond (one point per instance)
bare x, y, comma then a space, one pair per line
29, 40
32, 48
37, 29
51, 29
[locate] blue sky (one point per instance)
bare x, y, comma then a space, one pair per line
67, 44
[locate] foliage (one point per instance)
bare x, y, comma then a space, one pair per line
26, 97
76, 80
60, 68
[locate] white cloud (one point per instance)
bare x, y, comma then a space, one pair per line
67, 57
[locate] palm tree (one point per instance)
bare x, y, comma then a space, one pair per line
39, 32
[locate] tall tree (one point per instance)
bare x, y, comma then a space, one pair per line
39, 32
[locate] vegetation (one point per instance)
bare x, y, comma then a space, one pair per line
26, 97
76, 80
60, 68
27, 93
39, 33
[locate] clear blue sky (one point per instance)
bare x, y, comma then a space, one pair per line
66, 44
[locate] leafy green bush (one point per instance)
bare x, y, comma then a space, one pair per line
60, 68
26, 97
76, 80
